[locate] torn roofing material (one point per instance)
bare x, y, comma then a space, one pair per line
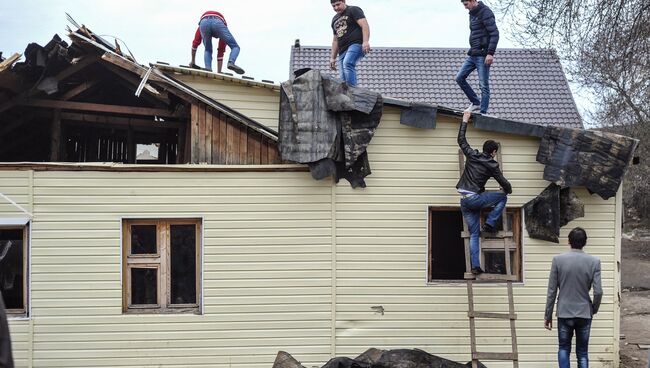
213, 75
552, 209
527, 85
593, 159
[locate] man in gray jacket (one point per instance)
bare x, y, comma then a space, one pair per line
574, 273
6, 359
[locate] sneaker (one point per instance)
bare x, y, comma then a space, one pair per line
473, 108
488, 229
235, 68
477, 270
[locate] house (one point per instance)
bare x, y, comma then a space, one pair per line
220, 255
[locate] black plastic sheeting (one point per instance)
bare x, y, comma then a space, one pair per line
375, 358
593, 159
327, 124
552, 209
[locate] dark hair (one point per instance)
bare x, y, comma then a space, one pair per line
336, 1
578, 238
490, 146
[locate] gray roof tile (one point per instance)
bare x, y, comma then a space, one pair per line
526, 85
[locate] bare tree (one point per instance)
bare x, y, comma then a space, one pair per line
605, 48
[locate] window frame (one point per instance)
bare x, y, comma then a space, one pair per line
25, 226
517, 230
161, 261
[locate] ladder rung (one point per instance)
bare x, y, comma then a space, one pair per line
494, 356
498, 244
496, 277
491, 315
497, 235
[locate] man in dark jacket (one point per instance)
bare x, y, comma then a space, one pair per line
6, 359
479, 167
483, 40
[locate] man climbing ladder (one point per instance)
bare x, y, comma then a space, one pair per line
479, 167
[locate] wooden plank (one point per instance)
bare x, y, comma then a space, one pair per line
76, 91
64, 74
493, 356
216, 156
95, 107
492, 315
55, 141
7, 63
243, 144
496, 277
194, 133
264, 154
208, 136
231, 154
274, 154
200, 138
223, 138
118, 120
472, 322
253, 156
513, 329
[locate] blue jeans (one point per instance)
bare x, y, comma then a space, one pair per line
565, 329
471, 209
214, 27
475, 63
348, 63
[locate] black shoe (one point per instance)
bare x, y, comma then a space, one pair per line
477, 270
235, 68
488, 229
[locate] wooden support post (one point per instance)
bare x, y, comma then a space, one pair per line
55, 142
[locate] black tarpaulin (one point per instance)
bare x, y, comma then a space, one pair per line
552, 209
327, 124
593, 159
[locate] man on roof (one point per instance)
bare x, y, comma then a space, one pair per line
483, 40
479, 168
213, 24
351, 39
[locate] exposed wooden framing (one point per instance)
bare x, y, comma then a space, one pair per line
130, 66
200, 138
55, 146
135, 82
95, 107
117, 120
6, 64
194, 134
64, 74
76, 91
117, 167
207, 138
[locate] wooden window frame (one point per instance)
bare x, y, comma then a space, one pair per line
161, 261
23, 312
517, 230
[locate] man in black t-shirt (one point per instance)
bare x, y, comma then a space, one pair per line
351, 39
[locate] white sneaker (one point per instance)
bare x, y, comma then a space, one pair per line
473, 108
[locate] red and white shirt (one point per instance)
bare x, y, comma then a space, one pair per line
198, 39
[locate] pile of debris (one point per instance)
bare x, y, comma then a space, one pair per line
376, 358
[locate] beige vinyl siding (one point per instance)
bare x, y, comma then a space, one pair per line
258, 103
381, 250
291, 263
267, 284
16, 186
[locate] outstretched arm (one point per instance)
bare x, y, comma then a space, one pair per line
462, 141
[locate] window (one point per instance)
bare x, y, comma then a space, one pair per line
14, 258
446, 256
161, 266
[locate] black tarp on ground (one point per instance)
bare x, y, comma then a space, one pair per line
328, 125
552, 209
593, 159
375, 358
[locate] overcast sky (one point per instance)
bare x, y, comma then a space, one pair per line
265, 30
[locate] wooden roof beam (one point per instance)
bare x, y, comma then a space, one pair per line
115, 120
95, 107
78, 66
76, 91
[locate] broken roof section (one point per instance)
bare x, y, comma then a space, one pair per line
527, 85
76, 102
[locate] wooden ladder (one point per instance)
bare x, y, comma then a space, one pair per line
504, 240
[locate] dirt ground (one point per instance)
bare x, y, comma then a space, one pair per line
635, 300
